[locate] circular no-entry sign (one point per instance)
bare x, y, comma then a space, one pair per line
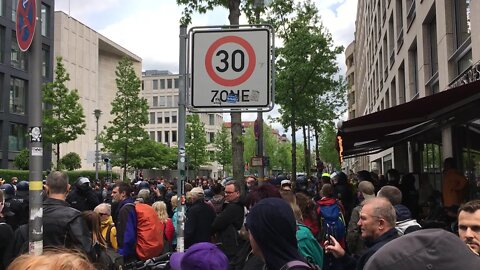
231, 68
25, 24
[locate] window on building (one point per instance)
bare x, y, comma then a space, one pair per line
399, 21
162, 83
432, 46
18, 58
152, 135
159, 136
401, 84
143, 85
169, 101
211, 119
462, 55
167, 137
387, 99
152, 118
211, 137
393, 90
2, 44
162, 101
413, 70
174, 117
160, 119
45, 62
17, 137
169, 84
176, 83
14, 10
2, 76
2, 7
155, 101
175, 101
167, 119
411, 12
174, 136
18, 92
391, 42
155, 84
45, 11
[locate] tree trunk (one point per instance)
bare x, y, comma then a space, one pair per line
58, 156
125, 162
236, 117
294, 150
305, 149
317, 149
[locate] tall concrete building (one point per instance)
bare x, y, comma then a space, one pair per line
91, 60
16, 73
413, 73
160, 88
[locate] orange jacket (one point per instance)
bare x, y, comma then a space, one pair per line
453, 187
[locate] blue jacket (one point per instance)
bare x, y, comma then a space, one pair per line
127, 228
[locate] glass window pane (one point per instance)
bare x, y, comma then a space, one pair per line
174, 136
45, 20
162, 101
152, 118
159, 136
45, 63
17, 137
18, 58
169, 83
2, 44
155, 102
167, 140
176, 82
174, 117
2, 7
162, 84
155, 84
462, 21
175, 101
17, 96
14, 10
152, 135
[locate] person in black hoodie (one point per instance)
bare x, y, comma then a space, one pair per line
272, 232
6, 236
344, 192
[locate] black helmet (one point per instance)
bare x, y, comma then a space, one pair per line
22, 186
301, 183
8, 190
82, 182
143, 185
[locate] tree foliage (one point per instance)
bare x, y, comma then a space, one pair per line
223, 147
21, 161
71, 161
195, 142
63, 117
126, 132
151, 154
328, 150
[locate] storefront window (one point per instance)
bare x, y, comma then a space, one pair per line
431, 158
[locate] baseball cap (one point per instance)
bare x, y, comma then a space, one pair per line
285, 182
205, 256
424, 249
197, 190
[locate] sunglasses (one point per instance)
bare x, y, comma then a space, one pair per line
103, 214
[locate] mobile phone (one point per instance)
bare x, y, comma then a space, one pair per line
327, 235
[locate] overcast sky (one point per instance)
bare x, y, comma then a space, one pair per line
150, 28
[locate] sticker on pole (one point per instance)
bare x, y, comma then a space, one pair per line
231, 68
25, 23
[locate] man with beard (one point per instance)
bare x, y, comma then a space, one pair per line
469, 225
377, 225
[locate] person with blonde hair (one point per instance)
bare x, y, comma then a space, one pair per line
109, 232
54, 259
168, 230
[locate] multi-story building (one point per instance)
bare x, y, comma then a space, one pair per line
16, 73
91, 60
160, 88
413, 74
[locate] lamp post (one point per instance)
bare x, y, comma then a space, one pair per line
97, 114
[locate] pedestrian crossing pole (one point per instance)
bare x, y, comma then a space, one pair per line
181, 138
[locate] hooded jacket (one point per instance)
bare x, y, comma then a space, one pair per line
273, 227
113, 232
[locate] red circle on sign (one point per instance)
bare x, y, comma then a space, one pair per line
251, 60
25, 23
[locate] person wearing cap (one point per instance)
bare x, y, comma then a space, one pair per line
377, 224
199, 218
424, 249
203, 255
227, 224
355, 243
82, 197
286, 185
469, 225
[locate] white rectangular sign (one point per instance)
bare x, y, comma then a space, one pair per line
231, 68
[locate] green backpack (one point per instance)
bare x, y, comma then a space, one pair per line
308, 245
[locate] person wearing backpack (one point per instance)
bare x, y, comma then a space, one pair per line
331, 216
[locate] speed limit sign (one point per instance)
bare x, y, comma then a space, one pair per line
231, 68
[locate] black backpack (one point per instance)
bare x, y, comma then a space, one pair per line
300, 265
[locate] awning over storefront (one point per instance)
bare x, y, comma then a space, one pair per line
380, 130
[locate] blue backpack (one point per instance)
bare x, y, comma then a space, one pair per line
332, 222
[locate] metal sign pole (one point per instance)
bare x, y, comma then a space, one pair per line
35, 236
181, 138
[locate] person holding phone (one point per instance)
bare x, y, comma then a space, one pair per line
377, 225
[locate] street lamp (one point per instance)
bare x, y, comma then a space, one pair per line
97, 114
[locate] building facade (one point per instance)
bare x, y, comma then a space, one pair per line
91, 60
15, 76
160, 88
407, 53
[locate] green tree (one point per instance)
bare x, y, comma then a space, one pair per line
63, 117
21, 161
71, 161
223, 147
151, 154
195, 142
328, 150
126, 131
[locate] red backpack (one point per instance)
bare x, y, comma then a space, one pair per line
149, 232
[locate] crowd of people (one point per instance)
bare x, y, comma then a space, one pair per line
359, 221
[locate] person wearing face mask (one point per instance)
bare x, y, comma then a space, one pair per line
6, 236
83, 197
